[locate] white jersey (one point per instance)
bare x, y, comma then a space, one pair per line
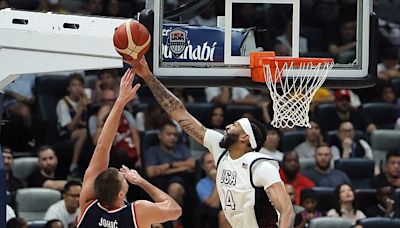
241, 185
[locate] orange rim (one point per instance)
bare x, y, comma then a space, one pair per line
257, 62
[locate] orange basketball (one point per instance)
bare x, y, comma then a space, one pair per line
131, 40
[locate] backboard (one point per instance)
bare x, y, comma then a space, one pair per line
207, 42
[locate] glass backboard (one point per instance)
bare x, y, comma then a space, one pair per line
209, 41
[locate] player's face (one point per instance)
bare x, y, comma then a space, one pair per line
124, 185
231, 136
346, 194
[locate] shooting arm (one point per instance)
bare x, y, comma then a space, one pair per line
101, 155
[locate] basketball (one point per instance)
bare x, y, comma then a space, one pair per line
131, 40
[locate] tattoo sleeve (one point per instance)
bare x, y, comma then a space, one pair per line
175, 109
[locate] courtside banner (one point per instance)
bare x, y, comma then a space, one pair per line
184, 43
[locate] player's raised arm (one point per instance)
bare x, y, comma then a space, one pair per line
101, 155
169, 102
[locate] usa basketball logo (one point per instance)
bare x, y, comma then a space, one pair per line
177, 41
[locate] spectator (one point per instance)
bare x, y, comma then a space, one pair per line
343, 48
111, 8
209, 213
313, 138
18, 132
170, 164
245, 16
388, 94
4, 4
13, 183
10, 214
107, 79
290, 173
309, 202
266, 108
348, 145
216, 119
182, 94
283, 46
71, 114
46, 176
391, 171
154, 117
389, 68
55, 223
292, 194
386, 203
205, 18
66, 210
346, 207
226, 95
344, 112
94, 7
322, 175
271, 144
51, 6
127, 141
323, 95
17, 223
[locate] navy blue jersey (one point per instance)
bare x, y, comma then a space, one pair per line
97, 216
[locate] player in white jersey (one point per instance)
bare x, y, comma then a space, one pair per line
249, 186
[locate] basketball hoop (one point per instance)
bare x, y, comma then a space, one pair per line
292, 83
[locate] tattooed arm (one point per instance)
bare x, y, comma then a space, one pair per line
169, 102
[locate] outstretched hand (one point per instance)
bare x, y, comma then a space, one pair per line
126, 92
140, 66
131, 175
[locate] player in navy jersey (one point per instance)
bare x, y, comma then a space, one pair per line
250, 189
104, 189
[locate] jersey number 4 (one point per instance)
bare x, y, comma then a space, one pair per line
229, 201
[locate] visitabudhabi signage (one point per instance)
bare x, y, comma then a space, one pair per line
184, 43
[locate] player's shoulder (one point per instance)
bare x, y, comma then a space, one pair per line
256, 158
212, 137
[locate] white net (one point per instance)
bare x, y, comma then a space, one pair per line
292, 89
